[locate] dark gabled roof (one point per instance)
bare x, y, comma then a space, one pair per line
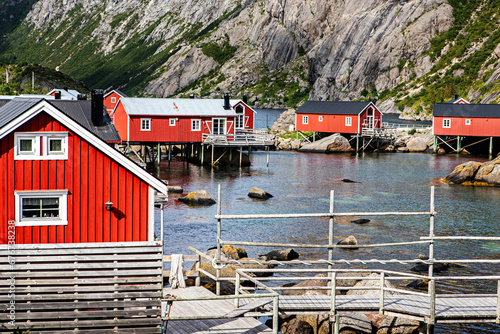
122, 94
11, 109
81, 112
333, 107
466, 110
77, 110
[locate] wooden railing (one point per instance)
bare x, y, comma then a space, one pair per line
240, 137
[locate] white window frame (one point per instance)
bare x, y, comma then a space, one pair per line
40, 145
320, 118
240, 117
348, 121
171, 121
113, 99
196, 125
145, 121
305, 119
446, 123
468, 121
42, 221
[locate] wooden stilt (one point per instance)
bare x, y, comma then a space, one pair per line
241, 155
458, 144
267, 156
357, 144
169, 152
434, 149
202, 154
158, 158
491, 148
212, 161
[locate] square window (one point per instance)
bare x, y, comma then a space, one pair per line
113, 99
467, 122
447, 123
320, 118
145, 124
172, 121
195, 125
41, 208
348, 121
305, 119
26, 146
55, 146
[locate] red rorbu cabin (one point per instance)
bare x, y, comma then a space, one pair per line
142, 120
245, 115
338, 117
111, 100
62, 182
468, 120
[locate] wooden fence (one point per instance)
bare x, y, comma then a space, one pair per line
81, 288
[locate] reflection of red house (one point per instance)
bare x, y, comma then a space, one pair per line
111, 100
338, 117
471, 120
61, 182
141, 120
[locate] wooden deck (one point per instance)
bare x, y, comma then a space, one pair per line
206, 308
449, 308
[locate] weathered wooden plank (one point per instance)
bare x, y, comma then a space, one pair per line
248, 307
95, 272
146, 330
49, 316
86, 323
84, 296
75, 246
84, 305
90, 289
84, 281
80, 258
142, 264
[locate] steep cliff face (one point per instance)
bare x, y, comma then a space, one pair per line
277, 51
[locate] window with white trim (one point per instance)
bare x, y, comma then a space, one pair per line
41, 208
113, 99
240, 117
145, 124
447, 123
195, 124
348, 121
320, 118
40, 146
467, 122
172, 122
305, 119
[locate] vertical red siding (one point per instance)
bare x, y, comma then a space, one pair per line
91, 180
479, 126
120, 120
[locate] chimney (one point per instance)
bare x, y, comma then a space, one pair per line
97, 104
57, 94
456, 96
245, 99
191, 96
226, 102
81, 97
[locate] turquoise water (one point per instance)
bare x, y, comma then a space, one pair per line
301, 183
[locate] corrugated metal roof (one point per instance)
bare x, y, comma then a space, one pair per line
15, 107
333, 107
466, 110
175, 107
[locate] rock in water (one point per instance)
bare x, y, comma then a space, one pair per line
488, 173
333, 143
175, 189
198, 197
280, 255
463, 173
349, 181
360, 221
350, 241
259, 193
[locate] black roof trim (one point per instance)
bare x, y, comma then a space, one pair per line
466, 110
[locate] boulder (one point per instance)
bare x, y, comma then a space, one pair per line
259, 193
385, 324
175, 189
296, 326
417, 144
198, 197
350, 241
488, 173
306, 284
333, 143
355, 323
371, 283
280, 255
403, 149
463, 173
296, 144
234, 253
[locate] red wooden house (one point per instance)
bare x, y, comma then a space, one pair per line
337, 117
468, 120
111, 100
458, 100
143, 120
61, 182
245, 115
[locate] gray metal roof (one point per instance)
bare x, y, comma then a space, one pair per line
333, 107
466, 110
175, 107
78, 110
81, 111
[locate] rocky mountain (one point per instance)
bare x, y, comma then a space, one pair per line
405, 53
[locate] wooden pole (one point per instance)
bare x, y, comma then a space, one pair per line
432, 282
276, 303
435, 145
330, 230
381, 298
498, 303
212, 161
267, 156
333, 297
159, 154
241, 155
357, 143
491, 147
458, 144
162, 216
169, 152
202, 154
219, 229
237, 290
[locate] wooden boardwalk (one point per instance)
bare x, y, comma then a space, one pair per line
206, 308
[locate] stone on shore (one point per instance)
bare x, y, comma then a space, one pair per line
259, 193
280, 255
349, 241
371, 283
333, 143
385, 324
198, 197
175, 189
417, 144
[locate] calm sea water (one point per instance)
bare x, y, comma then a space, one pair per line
301, 183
